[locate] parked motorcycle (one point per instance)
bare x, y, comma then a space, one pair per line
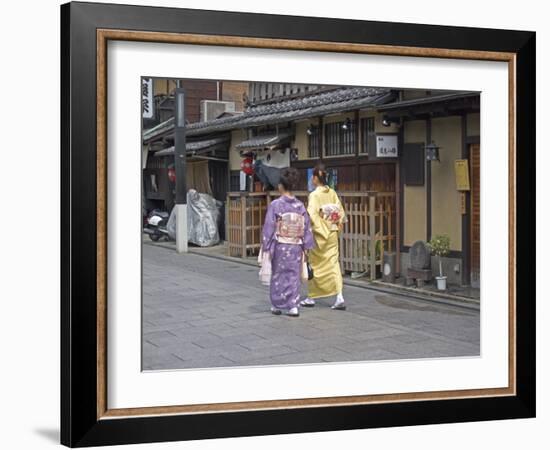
155, 225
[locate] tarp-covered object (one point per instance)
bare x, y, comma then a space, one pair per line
171, 225
203, 214
203, 219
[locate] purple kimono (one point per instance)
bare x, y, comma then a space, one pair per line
285, 249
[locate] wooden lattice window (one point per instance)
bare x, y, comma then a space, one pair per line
313, 142
340, 138
368, 136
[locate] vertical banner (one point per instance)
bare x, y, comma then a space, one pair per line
310, 186
147, 104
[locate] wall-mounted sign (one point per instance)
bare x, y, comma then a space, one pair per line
386, 146
462, 175
147, 104
463, 206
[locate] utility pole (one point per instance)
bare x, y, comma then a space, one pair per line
181, 171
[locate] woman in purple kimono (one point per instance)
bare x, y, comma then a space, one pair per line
286, 236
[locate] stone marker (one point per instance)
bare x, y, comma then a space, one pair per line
420, 264
420, 256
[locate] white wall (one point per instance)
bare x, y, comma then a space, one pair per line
30, 289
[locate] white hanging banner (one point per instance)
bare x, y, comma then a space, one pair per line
242, 181
147, 104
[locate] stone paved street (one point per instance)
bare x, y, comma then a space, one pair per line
204, 312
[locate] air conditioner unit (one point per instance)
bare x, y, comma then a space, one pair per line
210, 109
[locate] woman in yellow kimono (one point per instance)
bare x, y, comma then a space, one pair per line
327, 215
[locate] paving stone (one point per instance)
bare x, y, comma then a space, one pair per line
240, 354
199, 312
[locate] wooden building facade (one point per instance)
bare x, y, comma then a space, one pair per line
393, 198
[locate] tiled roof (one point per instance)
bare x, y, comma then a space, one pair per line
267, 140
198, 146
317, 104
443, 97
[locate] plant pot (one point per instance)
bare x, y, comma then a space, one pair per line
441, 283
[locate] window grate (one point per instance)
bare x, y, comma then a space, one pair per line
340, 141
314, 142
368, 136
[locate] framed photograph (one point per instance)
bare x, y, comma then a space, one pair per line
276, 224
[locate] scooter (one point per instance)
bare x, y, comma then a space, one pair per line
155, 225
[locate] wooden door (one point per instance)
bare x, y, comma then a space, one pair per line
474, 216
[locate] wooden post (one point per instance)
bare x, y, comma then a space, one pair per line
397, 219
227, 227
243, 226
357, 151
389, 219
321, 138
381, 223
252, 206
372, 233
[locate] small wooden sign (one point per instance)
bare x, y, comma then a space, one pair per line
463, 203
462, 175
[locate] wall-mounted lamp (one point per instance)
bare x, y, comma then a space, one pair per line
309, 130
346, 125
387, 121
432, 152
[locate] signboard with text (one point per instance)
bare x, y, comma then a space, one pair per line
462, 175
147, 98
386, 146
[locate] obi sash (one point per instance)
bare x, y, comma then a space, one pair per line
290, 228
332, 213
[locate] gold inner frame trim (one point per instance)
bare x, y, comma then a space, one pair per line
103, 36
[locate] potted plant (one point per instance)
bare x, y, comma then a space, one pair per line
440, 246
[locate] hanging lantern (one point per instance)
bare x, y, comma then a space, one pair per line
247, 166
432, 152
172, 174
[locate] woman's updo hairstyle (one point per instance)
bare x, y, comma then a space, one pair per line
289, 179
321, 173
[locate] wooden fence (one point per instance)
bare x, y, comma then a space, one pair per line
245, 214
368, 232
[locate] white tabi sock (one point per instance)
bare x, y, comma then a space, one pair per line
339, 299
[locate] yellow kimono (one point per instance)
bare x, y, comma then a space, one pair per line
324, 257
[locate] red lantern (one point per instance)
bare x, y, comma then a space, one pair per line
247, 166
172, 174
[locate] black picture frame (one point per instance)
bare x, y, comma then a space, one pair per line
80, 425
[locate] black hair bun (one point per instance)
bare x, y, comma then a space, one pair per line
289, 178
